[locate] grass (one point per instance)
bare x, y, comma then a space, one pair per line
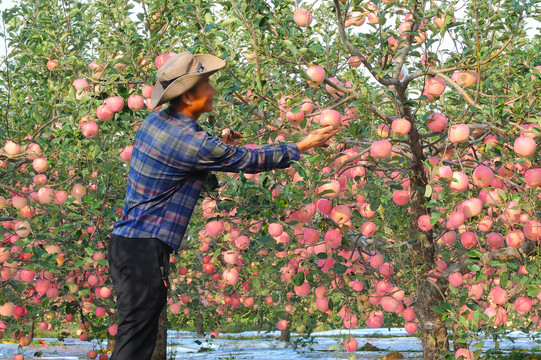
514, 354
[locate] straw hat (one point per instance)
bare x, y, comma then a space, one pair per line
181, 72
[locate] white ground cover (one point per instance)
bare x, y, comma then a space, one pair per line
265, 346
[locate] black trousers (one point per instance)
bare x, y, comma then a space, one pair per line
139, 269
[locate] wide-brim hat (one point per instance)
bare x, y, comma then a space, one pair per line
180, 73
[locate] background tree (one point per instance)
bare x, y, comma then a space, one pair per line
424, 211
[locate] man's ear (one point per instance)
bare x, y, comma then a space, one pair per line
186, 98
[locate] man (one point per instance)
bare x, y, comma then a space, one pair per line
171, 159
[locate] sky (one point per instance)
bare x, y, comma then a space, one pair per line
531, 24
4, 4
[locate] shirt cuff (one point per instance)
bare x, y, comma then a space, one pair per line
293, 152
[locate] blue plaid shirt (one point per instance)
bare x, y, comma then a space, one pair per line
171, 159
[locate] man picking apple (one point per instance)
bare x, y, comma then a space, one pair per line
172, 156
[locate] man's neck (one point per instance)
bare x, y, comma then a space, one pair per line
188, 112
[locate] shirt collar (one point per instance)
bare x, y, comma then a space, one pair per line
182, 117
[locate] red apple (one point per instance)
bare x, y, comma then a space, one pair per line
381, 149
532, 230
355, 18
341, 214
354, 62
307, 105
317, 74
401, 126
40, 164
464, 354
282, 325
126, 153
424, 223
79, 84
302, 290
147, 91
472, 207
533, 177
498, 295
275, 229
136, 102
434, 87
515, 238
104, 113
383, 131
295, 117
523, 304
482, 176
51, 64
524, 146
231, 276
468, 239
302, 17
12, 148
114, 103
400, 197
460, 182
330, 118
456, 279
332, 90
90, 129
373, 18
332, 189
458, 133
466, 78
410, 327
161, 59
333, 238
437, 122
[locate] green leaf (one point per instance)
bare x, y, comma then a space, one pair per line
474, 254
298, 280
503, 280
533, 290
428, 191
290, 46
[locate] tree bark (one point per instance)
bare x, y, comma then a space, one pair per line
160, 350
199, 325
261, 315
111, 340
433, 330
285, 335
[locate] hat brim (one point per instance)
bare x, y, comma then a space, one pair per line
161, 95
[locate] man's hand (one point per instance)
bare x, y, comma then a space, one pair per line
317, 138
230, 137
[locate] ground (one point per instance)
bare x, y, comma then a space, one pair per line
264, 346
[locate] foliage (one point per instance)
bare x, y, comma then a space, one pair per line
115, 46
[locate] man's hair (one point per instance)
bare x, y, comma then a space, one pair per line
177, 100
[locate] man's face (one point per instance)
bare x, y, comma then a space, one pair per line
202, 97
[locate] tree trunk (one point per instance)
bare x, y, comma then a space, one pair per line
428, 295
111, 340
160, 350
285, 335
111, 344
199, 325
261, 314
433, 330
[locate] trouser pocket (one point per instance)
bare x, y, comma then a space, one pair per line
164, 254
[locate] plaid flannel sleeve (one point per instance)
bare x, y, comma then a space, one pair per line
214, 155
